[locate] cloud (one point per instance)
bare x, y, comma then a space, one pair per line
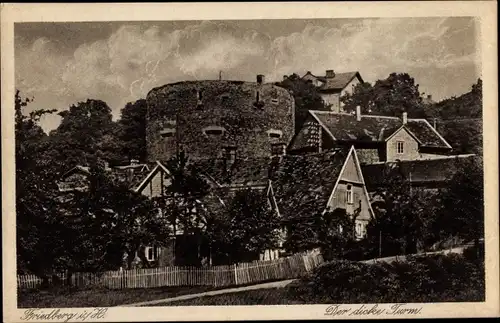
135, 58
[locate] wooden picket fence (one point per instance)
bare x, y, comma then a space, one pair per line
217, 276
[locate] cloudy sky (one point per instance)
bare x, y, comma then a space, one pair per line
60, 64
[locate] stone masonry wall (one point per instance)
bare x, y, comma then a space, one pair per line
182, 111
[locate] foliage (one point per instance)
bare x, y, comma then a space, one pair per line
391, 96
85, 134
468, 105
247, 228
36, 204
306, 98
462, 212
402, 222
183, 194
332, 231
436, 278
464, 135
131, 131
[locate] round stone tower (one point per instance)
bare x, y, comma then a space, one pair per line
220, 118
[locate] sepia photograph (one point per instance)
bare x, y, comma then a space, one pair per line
204, 163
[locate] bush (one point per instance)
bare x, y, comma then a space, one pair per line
436, 278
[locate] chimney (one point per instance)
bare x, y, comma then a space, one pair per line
405, 118
260, 78
285, 77
429, 96
330, 73
229, 156
358, 113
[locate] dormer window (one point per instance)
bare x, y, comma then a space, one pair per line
213, 131
274, 134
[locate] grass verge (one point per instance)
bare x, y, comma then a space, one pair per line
99, 297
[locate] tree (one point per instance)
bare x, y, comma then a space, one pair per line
132, 130
336, 233
86, 133
37, 222
305, 95
248, 227
107, 222
463, 202
181, 200
400, 224
392, 96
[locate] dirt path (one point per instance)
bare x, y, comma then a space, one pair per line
278, 284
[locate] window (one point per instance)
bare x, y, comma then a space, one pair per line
359, 229
400, 147
275, 101
273, 133
278, 149
341, 229
257, 96
213, 131
349, 195
151, 253
167, 132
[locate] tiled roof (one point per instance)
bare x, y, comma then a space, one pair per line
132, 175
303, 184
249, 171
345, 127
339, 82
418, 171
308, 137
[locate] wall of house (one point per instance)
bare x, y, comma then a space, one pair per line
352, 176
349, 88
227, 104
410, 151
155, 187
332, 100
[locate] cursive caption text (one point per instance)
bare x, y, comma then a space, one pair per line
372, 310
66, 315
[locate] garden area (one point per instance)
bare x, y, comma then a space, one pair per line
419, 279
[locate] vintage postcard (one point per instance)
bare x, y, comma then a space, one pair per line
249, 161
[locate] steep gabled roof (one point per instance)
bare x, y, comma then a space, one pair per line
371, 128
304, 184
146, 177
339, 82
243, 172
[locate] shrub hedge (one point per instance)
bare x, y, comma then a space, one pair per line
432, 278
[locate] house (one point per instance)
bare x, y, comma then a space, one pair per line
291, 184
321, 182
376, 138
76, 179
332, 86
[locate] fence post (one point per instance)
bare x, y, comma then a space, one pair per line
235, 275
